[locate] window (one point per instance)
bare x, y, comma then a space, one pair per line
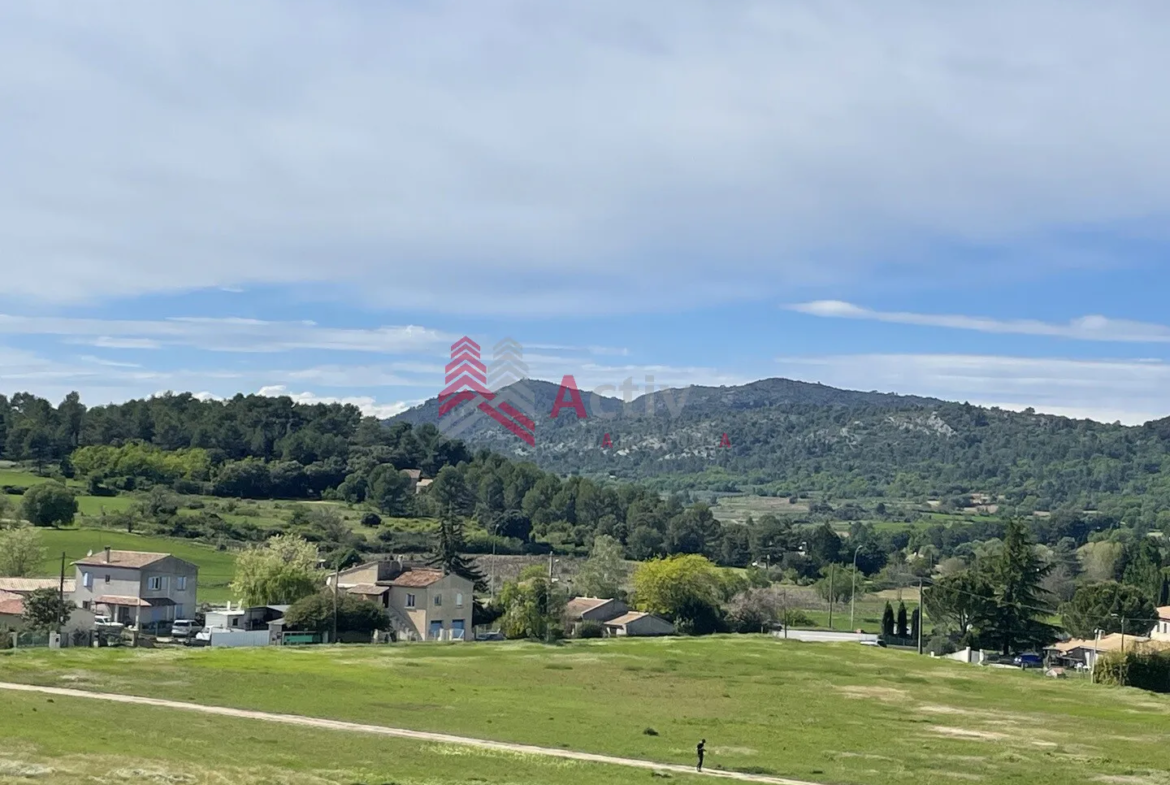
458, 599
438, 600
86, 604
154, 582
107, 579
178, 611
410, 601
181, 583
87, 580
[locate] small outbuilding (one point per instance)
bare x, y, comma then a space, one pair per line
638, 624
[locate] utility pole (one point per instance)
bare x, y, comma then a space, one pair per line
336, 579
853, 589
832, 573
786, 613
921, 615
1123, 635
61, 585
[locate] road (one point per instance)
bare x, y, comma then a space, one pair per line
402, 733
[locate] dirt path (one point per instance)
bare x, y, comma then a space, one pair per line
402, 733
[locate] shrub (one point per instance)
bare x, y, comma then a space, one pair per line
49, 504
371, 519
941, 645
1142, 668
590, 629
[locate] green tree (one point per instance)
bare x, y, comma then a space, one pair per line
1143, 569
685, 588
371, 519
389, 489
901, 628
354, 615
45, 611
837, 583
915, 623
958, 601
48, 504
888, 621
448, 555
21, 552
279, 572
1103, 606
532, 609
602, 574
1019, 603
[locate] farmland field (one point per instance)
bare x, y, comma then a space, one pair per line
833, 713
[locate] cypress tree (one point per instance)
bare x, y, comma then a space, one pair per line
888, 621
901, 629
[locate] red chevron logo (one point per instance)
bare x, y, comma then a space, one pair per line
466, 380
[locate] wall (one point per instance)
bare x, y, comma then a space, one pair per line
123, 582
235, 639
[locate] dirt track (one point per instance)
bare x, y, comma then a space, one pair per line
402, 733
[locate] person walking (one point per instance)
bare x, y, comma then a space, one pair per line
700, 749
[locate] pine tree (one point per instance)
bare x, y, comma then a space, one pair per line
901, 628
888, 621
1018, 600
447, 554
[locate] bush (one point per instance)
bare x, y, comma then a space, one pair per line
371, 519
941, 645
354, 615
49, 504
1142, 668
798, 618
590, 629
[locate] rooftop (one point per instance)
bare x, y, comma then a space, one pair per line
417, 578
632, 616
130, 559
366, 589
25, 585
1164, 612
579, 605
14, 606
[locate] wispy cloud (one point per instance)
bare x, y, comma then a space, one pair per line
1107, 390
227, 334
1085, 328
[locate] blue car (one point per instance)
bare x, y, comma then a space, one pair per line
1028, 661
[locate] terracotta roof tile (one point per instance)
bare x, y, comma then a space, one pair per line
12, 607
131, 559
24, 585
417, 578
1164, 612
626, 619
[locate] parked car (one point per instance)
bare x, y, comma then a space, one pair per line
1028, 661
203, 637
490, 636
184, 629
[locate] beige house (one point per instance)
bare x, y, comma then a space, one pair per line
1161, 631
422, 603
136, 588
638, 624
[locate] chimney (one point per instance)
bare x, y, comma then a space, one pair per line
107, 554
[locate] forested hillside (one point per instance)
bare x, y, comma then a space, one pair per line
789, 438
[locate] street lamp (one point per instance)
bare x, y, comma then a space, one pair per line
853, 589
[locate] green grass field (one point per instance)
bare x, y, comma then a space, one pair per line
62, 741
215, 567
831, 713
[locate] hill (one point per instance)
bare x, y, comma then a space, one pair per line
787, 437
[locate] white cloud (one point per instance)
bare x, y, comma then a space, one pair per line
1085, 328
226, 334
520, 157
1106, 390
368, 405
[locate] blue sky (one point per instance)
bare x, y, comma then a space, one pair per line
318, 198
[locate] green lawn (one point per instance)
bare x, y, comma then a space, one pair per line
62, 741
216, 568
832, 713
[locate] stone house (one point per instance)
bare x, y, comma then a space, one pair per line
136, 588
422, 603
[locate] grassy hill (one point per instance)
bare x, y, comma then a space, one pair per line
819, 712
